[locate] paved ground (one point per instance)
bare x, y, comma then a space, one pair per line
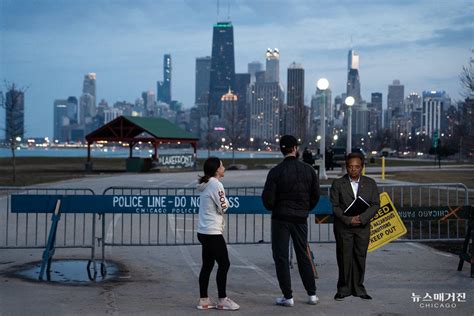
250, 178
164, 280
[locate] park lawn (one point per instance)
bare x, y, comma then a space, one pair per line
436, 176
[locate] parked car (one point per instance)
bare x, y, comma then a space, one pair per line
339, 153
388, 152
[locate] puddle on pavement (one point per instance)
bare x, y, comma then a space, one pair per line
72, 272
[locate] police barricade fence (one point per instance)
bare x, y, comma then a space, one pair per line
26, 221
168, 216
29, 226
430, 212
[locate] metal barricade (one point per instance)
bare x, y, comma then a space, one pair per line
429, 211
30, 230
250, 227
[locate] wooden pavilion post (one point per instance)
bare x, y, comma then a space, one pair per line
130, 150
88, 165
89, 151
194, 144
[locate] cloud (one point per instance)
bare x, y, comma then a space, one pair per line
51, 44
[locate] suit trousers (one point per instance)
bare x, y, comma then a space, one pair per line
351, 252
281, 232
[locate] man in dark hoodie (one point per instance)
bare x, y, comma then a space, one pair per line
291, 191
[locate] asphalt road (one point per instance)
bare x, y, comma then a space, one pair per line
163, 280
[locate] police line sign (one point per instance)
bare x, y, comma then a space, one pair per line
386, 225
140, 204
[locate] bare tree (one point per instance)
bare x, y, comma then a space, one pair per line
14, 113
467, 78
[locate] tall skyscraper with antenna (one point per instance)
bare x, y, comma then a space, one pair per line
164, 87
353, 80
222, 65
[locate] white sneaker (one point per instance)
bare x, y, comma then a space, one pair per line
313, 299
227, 304
205, 303
282, 301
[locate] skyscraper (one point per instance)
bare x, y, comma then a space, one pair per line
414, 110
272, 71
265, 105
360, 121
412, 102
375, 112
61, 119
14, 114
72, 109
353, 80
86, 108
203, 73
164, 87
242, 82
230, 117
376, 101
89, 85
295, 115
253, 68
435, 103
87, 101
222, 65
148, 101
395, 96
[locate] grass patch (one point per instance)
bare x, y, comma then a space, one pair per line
436, 176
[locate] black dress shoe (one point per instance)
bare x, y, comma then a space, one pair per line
366, 297
339, 297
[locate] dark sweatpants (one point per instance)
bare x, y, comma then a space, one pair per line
281, 232
214, 249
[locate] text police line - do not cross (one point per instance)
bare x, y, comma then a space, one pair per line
141, 204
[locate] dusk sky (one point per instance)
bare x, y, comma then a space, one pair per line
50, 45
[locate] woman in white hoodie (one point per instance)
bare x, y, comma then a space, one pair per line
213, 205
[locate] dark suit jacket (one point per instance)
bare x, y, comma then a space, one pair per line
342, 196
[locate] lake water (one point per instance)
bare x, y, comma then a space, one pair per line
123, 153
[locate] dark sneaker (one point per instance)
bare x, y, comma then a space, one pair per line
339, 297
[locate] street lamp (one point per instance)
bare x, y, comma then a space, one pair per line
349, 101
322, 85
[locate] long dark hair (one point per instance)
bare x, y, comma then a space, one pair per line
210, 168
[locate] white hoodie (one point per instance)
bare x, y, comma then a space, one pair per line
213, 205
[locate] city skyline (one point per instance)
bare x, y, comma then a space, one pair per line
48, 48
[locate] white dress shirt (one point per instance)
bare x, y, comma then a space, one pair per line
355, 186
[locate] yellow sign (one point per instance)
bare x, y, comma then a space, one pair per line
386, 225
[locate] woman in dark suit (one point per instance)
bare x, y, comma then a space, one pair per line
352, 232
